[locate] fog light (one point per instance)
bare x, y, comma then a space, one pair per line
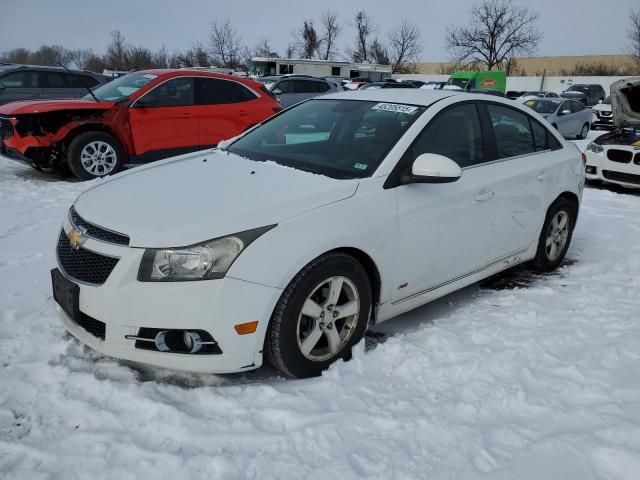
592, 170
176, 341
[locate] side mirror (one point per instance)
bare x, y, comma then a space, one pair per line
276, 91
565, 112
433, 168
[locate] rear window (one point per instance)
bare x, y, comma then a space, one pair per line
512, 131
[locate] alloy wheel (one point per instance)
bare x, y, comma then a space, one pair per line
557, 235
328, 319
98, 158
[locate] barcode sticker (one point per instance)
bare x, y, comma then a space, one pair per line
394, 107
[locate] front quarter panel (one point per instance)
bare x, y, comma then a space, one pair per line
365, 221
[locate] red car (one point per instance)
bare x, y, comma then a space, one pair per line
141, 117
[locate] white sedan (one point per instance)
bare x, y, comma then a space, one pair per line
290, 241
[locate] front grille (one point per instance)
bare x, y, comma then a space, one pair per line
606, 114
84, 265
620, 156
636, 159
621, 177
94, 327
95, 231
6, 128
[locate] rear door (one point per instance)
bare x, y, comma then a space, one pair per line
164, 121
59, 85
285, 94
224, 109
19, 85
522, 173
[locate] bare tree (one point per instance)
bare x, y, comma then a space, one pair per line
497, 32
634, 35
364, 29
307, 41
404, 47
80, 57
225, 44
290, 51
378, 52
263, 49
116, 56
331, 30
50, 55
161, 58
19, 55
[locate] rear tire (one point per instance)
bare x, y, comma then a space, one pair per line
555, 236
321, 314
94, 155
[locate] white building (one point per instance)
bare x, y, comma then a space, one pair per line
318, 68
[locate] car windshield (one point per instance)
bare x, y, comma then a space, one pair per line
336, 138
542, 106
121, 87
578, 88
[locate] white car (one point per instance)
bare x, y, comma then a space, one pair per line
615, 156
602, 114
291, 240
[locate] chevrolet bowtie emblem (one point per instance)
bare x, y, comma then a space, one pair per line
76, 239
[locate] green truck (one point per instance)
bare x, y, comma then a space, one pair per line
479, 80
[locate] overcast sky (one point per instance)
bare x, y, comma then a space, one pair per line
570, 27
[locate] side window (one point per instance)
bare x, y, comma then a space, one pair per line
177, 92
19, 80
304, 86
576, 107
454, 133
213, 91
541, 136
512, 131
321, 87
82, 81
285, 86
57, 80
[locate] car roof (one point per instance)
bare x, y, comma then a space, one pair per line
42, 68
412, 96
550, 100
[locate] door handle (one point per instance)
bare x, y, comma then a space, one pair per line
542, 176
484, 196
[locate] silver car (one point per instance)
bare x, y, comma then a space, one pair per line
569, 117
292, 89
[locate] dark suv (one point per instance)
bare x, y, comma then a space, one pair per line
29, 82
587, 94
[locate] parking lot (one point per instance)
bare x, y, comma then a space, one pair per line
490, 379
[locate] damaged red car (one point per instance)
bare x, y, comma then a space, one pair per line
138, 118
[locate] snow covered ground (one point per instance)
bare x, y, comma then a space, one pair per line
523, 377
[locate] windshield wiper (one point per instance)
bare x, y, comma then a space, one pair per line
83, 84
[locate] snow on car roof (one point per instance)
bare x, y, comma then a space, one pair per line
413, 96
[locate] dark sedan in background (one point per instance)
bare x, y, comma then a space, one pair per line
30, 82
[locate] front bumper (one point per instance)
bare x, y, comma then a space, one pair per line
125, 305
600, 168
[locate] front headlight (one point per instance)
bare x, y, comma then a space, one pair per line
204, 261
595, 148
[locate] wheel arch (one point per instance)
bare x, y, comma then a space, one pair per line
373, 272
93, 127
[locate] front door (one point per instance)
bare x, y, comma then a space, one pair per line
443, 229
164, 120
20, 85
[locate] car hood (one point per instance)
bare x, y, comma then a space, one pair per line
42, 106
194, 198
625, 102
572, 95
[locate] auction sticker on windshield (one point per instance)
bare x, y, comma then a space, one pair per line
394, 107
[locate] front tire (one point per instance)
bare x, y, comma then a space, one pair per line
94, 155
555, 236
584, 132
321, 314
